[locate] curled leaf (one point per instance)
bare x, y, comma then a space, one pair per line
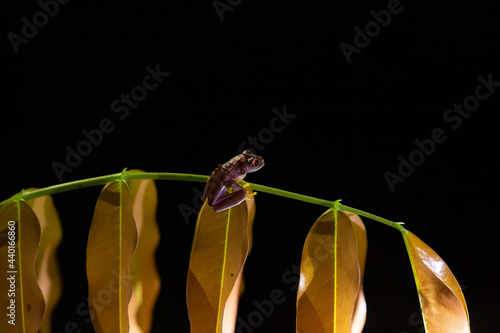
46, 266
359, 316
111, 244
145, 277
441, 299
220, 248
329, 276
22, 300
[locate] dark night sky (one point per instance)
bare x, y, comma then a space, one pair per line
348, 124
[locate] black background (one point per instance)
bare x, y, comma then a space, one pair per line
352, 121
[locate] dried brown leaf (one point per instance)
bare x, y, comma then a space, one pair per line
329, 276
220, 248
111, 244
145, 277
359, 316
22, 300
46, 265
441, 299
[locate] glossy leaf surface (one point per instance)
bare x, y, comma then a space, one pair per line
441, 299
22, 300
329, 276
145, 277
220, 248
111, 244
46, 266
359, 316
231, 308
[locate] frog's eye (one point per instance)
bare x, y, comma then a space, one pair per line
255, 163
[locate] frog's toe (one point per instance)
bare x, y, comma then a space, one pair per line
250, 195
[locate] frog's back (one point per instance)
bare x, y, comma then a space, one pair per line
234, 169
211, 184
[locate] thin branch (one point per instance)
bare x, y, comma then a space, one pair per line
132, 175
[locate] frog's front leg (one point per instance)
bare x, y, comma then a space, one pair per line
238, 195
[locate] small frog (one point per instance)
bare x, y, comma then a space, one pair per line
227, 176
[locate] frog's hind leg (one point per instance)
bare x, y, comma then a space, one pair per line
230, 200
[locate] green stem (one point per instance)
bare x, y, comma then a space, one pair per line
102, 180
396, 225
131, 175
326, 203
291, 195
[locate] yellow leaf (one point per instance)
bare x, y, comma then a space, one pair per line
359, 316
220, 248
441, 299
22, 300
111, 244
231, 310
231, 306
145, 277
329, 276
46, 266
251, 217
